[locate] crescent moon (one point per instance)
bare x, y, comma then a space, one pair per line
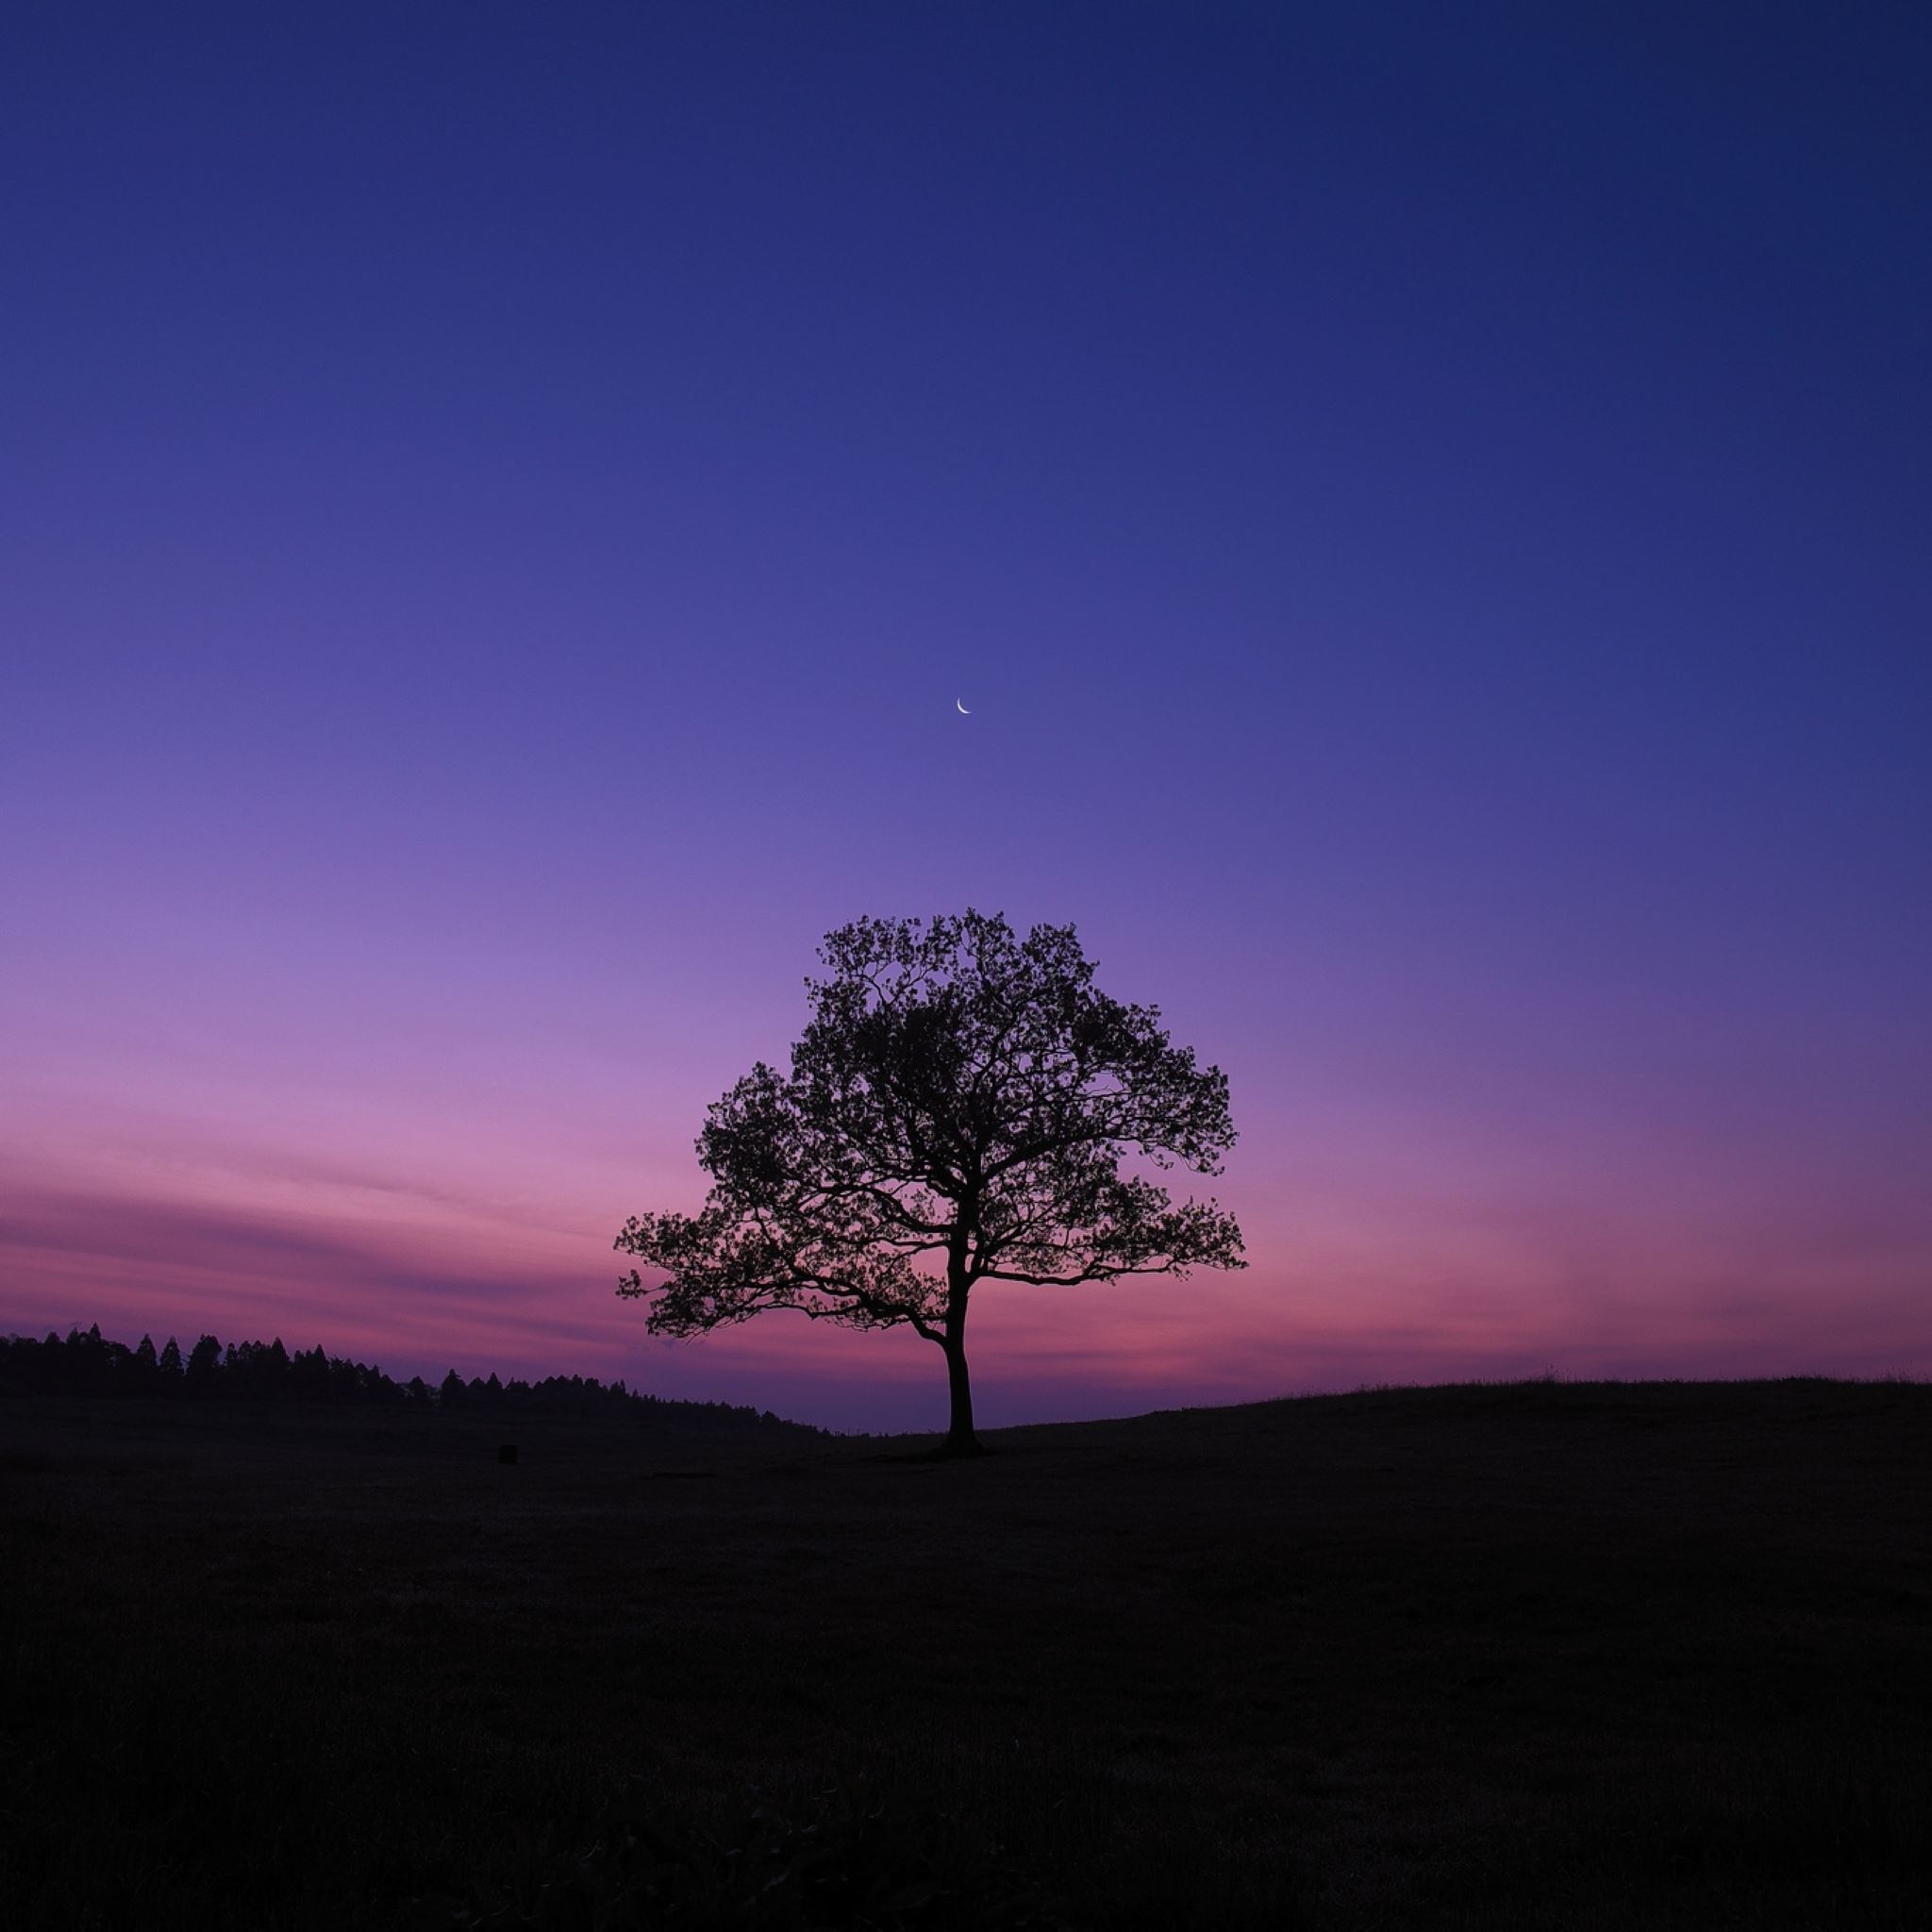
961, 708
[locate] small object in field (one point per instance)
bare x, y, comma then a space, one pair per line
505, 1452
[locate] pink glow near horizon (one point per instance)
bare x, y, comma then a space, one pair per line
426, 1238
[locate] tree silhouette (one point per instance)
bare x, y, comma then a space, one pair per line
309, 1374
958, 1111
204, 1362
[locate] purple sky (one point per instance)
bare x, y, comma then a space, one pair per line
1429, 516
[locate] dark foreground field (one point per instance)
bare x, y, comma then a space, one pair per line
1526, 1655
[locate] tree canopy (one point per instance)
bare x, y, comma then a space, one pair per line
959, 1108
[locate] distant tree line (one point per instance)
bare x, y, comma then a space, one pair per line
84, 1363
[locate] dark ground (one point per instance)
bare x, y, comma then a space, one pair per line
1528, 1656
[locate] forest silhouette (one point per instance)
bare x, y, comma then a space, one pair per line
84, 1363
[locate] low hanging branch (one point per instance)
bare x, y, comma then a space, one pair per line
958, 1109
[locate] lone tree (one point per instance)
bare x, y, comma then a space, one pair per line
958, 1112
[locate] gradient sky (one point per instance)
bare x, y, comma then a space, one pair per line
1428, 509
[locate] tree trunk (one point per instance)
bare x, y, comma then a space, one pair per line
961, 1440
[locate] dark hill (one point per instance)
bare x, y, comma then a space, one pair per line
1518, 1655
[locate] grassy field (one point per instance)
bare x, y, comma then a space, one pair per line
1520, 1656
